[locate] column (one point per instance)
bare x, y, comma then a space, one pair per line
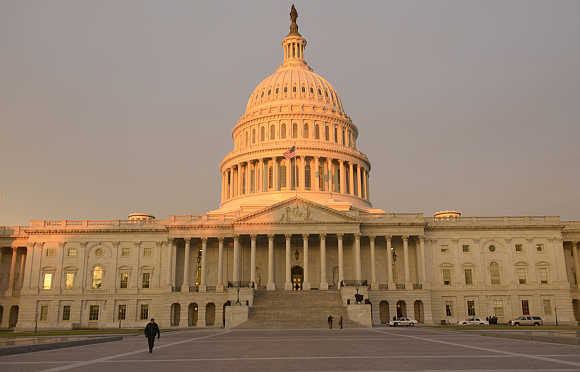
236, 263
173, 263
271, 285
390, 276
340, 261
28, 265
368, 188
240, 179
351, 178
186, 267
275, 180
306, 284
288, 174
357, 268
220, 268
253, 260
373, 268
316, 173
231, 184
323, 282
288, 284
202, 285
363, 183
575, 252
342, 178
406, 258
302, 175
260, 176
23, 258
13, 271
422, 256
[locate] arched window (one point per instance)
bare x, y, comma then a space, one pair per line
294, 130
305, 131
246, 139
254, 135
494, 273
316, 131
283, 131
97, 277
326, 133
262, 134
307, 176
272, 132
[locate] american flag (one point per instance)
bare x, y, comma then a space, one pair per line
290, 153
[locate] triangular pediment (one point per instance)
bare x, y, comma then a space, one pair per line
295, 211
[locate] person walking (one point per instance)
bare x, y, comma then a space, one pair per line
330, 321
340, 322
152, 330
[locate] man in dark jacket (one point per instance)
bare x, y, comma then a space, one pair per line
152, 330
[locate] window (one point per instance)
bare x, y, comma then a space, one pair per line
122, 312
272, 132
262, 134
43, 313
125, 251
525, 307
283, 131
252, 181
522, 276
97, 277
311, 91
294, 130
270, 177
446, 276
471, 308
47, 281
285, 89
316, 131
69, 280
540, 247
543, 275
71, 251
144, 311
498, 307
307, 176
519, 248
305, 131
494, 273
319, 92
66, 312
294, 89
444, 249
343, 139
124, 280
282, 175
303, 89
466, 248
147, 252
449, 309
277, 90
254, 135
468, 277
335, 135
94, 312
547, 307
492, 248
326, 133
49, 252
146, 279
269, 91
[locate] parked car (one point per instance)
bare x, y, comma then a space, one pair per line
527, 320
403, 322
473, 322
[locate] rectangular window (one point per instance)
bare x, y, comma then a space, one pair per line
544, 275
94, 312
471, 308
335, 135
449, 309
547, 307
519, 248
146, 278
446, 277
282, 175
307, 177
72, 251
498, 307
525, 307
270, 177
124, 280
444, 249
69, 280
540, 247
468, 277
326, 134
466, 248
522, 276
147, 252
66, 312
122, 312
144, 312
252, 181
43, 313
47, 281
125, 251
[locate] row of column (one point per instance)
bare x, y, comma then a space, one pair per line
12, 275
576, 253
237, 180
306, 283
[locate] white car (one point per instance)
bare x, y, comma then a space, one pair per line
473, 322
403, 322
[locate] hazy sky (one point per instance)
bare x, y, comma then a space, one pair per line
109, 107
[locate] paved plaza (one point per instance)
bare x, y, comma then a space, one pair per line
378, 349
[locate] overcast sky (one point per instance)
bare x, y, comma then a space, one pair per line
110, 107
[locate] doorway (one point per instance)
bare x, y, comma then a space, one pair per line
297, 278
13, 320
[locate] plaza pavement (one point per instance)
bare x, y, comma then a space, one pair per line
377, 349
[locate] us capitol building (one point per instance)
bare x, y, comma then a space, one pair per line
295, 239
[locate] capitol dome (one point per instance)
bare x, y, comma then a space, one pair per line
294, 139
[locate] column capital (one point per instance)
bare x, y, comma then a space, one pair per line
357, 235
203, 239
220, 239
340, 235
288, 236
388, 237
116, 244
405, 237
271, 236
323, 235
305, 236
254, 236
371, 236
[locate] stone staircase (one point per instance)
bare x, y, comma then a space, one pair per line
304, 309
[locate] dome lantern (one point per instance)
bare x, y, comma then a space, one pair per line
293, 45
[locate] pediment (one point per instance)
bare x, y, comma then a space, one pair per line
296, 211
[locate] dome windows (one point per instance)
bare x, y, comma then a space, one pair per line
294, 89
316, 131
311, 91
325, 93
305, 131
277, 89
262, 134
262, 95
283, 131
294, 130
272, 132
269, 91
285, 89
303, 90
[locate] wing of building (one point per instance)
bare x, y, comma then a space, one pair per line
295, 239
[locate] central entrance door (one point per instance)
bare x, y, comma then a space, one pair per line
297, 278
